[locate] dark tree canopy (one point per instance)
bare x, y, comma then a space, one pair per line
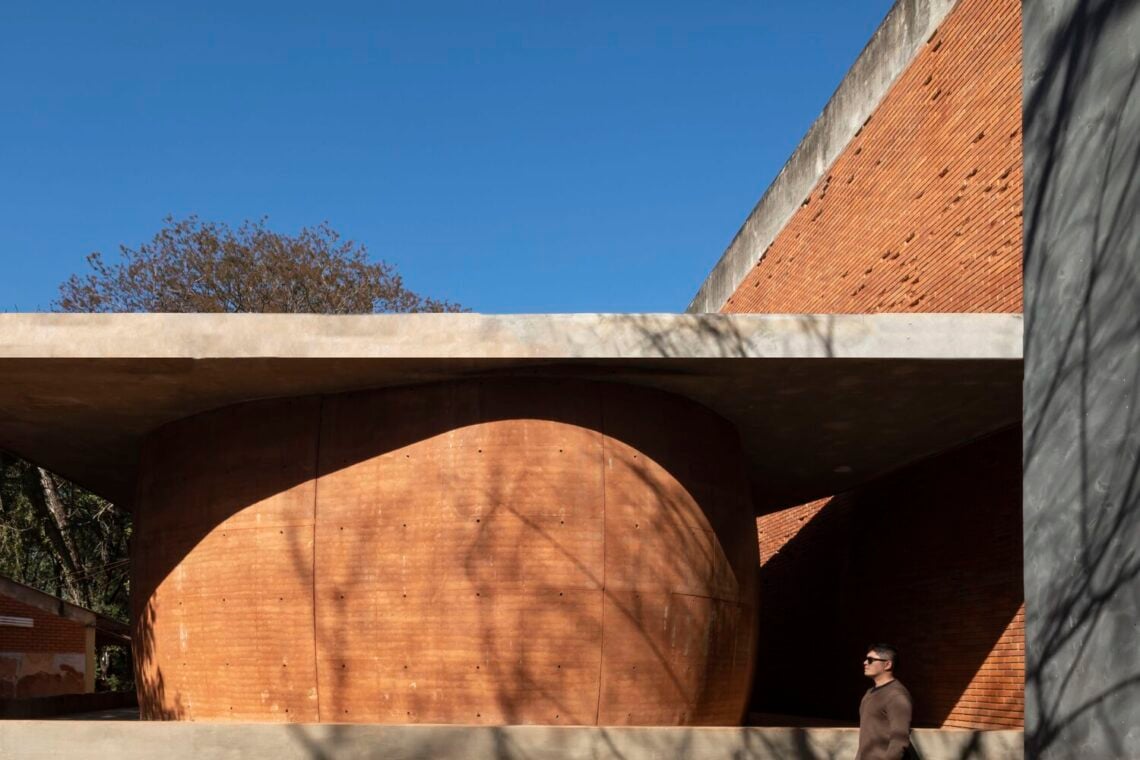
196, 266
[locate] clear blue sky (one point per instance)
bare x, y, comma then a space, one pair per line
512, 156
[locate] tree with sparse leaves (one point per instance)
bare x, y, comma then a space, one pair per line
196, 266
66, 541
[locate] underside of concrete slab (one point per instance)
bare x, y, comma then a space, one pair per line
821, 403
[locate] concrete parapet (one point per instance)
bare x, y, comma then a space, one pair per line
142, 337
31, 740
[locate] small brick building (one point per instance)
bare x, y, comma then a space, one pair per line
47, 645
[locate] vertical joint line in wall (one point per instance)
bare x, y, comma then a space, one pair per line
602, 616
313, 576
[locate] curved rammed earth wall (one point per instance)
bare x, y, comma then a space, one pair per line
484, 552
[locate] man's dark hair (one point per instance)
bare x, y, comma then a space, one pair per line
886, 651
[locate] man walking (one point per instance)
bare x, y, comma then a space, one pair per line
884, 713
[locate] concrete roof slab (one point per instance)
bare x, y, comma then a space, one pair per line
822, 403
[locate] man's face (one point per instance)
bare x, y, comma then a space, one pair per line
874, 664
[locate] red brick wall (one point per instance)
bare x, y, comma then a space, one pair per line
45, 660
922, 211
929, 559
49, 633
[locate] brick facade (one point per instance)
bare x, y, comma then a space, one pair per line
922, 210
49, 633
46, 659
920, 213
929, 559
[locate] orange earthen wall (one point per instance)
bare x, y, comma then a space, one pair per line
922, 212
500, 552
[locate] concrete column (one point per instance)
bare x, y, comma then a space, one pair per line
1082, 377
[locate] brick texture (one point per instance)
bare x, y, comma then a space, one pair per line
929, 559
510, 552
922, 211
49, 633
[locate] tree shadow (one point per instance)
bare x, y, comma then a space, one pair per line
223, 477
529, 558
545, 743
720, 336
1082, 383
153, 700
940, 578
709, 536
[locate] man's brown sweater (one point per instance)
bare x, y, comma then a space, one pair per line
884, 722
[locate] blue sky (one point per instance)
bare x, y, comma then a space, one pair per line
512, 156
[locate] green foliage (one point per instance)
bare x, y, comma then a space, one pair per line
25, 554
66, 541
114, 670
100, 531
100, 534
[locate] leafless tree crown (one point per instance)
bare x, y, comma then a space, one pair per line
197, 266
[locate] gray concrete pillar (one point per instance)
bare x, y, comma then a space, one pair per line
1082, 378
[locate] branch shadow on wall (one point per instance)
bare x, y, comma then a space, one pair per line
719, 336
530, 558
339, 605
154, 702
940, 579
1082, 387
339, 613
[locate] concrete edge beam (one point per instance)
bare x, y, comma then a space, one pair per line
174, 740
480, 336
894, 45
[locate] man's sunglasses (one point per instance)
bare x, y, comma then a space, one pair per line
869, 660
